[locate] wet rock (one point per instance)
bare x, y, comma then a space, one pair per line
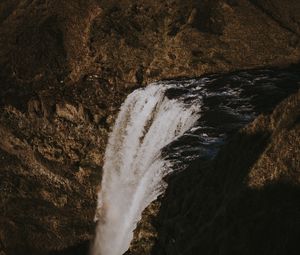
110, 120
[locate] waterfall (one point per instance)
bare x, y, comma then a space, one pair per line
134, 168
166, 126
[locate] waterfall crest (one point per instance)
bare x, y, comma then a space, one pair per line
163, 128
134, 168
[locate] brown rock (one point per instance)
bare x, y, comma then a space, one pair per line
69, 60
70, 112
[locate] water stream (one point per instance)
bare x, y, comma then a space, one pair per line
165, 126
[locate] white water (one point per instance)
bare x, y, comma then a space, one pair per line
133, 168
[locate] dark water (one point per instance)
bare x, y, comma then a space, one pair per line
229, 102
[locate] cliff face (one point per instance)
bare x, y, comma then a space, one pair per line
65, 68
245, 201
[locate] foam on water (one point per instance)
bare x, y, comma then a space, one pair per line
165, 127
134, 167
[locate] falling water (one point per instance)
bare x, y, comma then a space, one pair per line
163, 128
134, 168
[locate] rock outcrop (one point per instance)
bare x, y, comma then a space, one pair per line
65, 68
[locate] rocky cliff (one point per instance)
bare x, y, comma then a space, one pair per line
65, 68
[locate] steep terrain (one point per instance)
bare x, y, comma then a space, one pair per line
65, 68
246, 201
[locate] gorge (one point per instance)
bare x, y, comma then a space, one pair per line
73, 77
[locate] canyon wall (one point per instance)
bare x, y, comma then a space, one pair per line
66, 67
